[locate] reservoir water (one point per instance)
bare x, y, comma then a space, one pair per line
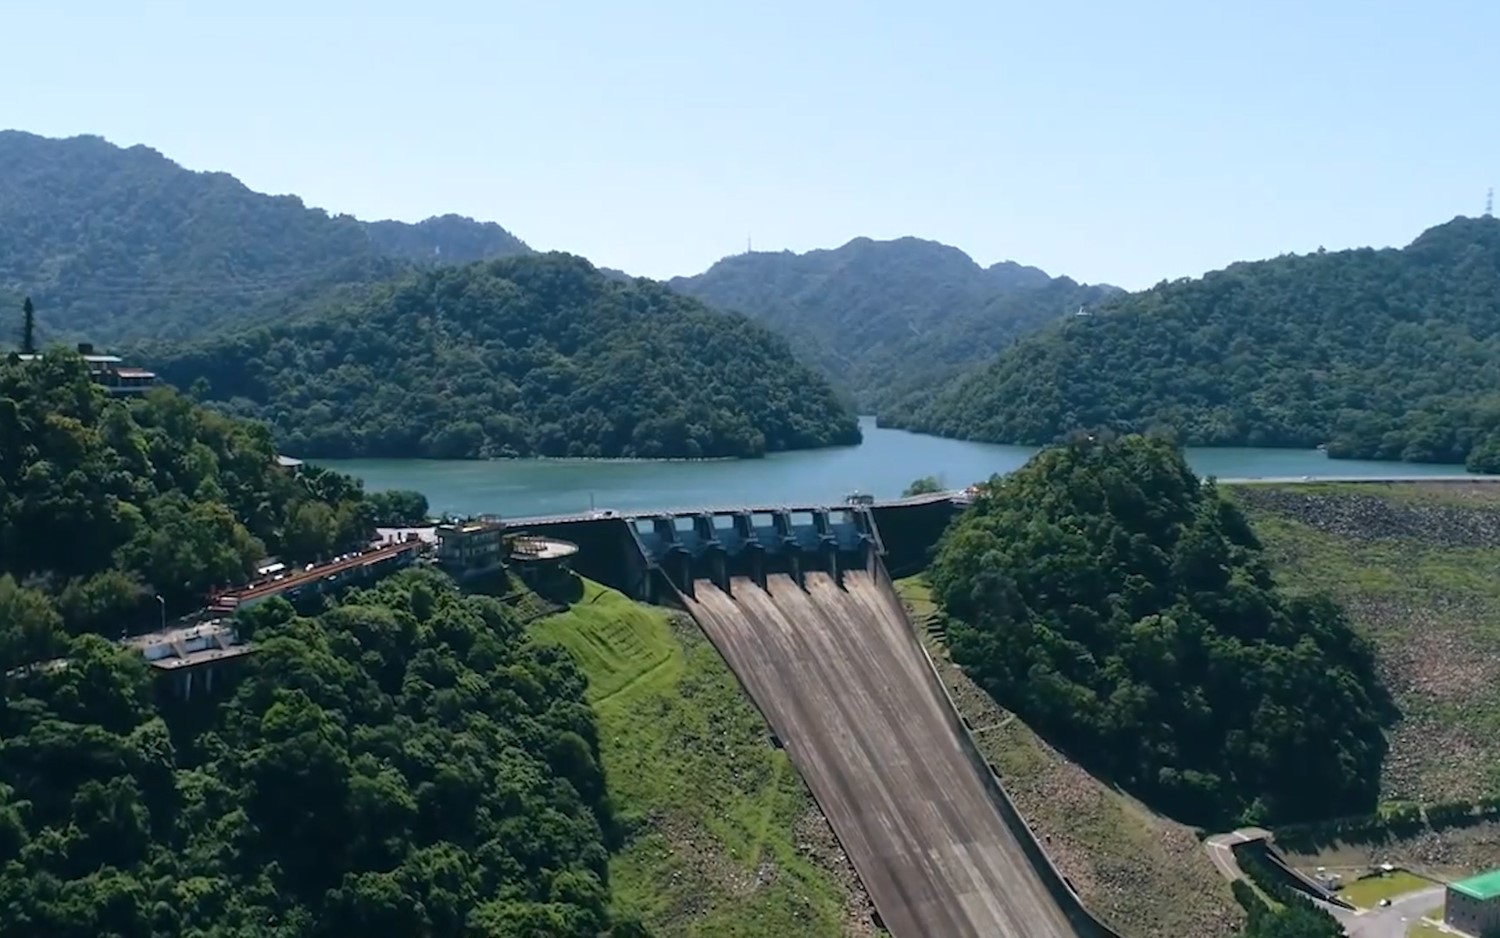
884, 464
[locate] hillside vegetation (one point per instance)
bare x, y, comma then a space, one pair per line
1389, 354
105, 504
1126, 611
1143, 874
117, 244
1418, 568
888, 319
531, 355
405, 764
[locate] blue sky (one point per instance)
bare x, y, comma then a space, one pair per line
1121, 142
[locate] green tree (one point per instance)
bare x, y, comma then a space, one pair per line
1386, 354
30, 628
368, 771
397, 507
156, 495
1124, 609
312, 530
926, 485
534, 355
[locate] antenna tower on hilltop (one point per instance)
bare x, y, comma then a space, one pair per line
1489, 202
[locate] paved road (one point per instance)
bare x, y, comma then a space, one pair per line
1220, 849
1391, 922
844, 685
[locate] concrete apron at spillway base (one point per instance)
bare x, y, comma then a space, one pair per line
839, 676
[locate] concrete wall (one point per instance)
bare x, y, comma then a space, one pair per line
909, 532
1294, 878
613, 553
1086, 923
608, 553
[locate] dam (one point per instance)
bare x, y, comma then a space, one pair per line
799, 603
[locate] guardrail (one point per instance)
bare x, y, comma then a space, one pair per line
637, 514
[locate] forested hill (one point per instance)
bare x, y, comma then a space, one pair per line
408, 763
1126, 611
116, 243
1389, 354
448, 239
530, 355
884, 318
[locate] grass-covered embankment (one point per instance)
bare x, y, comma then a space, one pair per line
1417, 566
1145, 875
727, 840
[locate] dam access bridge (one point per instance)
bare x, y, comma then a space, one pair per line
799, 603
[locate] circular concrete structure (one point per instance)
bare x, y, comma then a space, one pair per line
528, 548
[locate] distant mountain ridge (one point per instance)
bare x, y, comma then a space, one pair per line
444, 239
888, 318
120, 243
1381, 354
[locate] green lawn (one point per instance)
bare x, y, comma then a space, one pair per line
1367, 892
719, 813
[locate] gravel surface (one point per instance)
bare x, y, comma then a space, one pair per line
1450, 853
1418, 568
1373, 517
1145, 875
816, 840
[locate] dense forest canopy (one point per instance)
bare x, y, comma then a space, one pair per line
1390, 354
105, 503
889, 318
121, 244
407, 763
531, 355
1124, 609
446, 239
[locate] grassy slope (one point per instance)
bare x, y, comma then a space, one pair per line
1145, 875
728, 842
1418, 567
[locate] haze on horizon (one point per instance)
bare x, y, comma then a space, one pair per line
1111, 146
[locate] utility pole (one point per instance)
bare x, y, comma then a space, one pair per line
28, 327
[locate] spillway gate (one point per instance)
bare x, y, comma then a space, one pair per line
719, 546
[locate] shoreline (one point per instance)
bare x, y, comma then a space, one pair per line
586, 460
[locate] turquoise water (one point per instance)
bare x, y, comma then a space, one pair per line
884, 464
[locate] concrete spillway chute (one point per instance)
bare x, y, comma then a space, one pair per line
839, 675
